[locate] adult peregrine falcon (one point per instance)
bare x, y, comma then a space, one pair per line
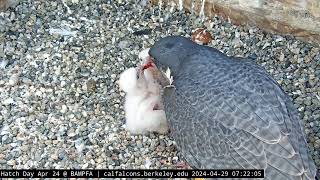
226, 112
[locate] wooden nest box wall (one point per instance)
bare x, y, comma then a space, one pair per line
300, 18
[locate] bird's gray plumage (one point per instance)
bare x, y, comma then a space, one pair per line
227, 112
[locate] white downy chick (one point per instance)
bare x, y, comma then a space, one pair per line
143, 106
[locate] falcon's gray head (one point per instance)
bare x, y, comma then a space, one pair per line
170, 51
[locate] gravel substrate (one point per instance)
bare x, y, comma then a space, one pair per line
60, 61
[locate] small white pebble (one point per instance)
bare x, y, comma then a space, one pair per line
8, 101
11, 162
84, 114
28, 56
79, 145
64, 109
14, 79
99, 160
85, 166
54, 156
113, 76
3, 64
237, 34
5, 130
147, 163
38, 93
63, 83
175, 158
13, 144
71, 116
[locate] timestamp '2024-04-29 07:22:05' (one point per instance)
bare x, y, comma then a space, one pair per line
131, 173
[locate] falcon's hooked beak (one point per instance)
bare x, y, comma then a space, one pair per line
148, 63
163, 76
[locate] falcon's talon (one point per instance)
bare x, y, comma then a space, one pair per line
182, 165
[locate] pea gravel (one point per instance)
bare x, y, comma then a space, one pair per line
60, 106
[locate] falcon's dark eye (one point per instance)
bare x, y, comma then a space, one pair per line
169, 45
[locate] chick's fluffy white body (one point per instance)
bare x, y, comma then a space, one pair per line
143, 106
